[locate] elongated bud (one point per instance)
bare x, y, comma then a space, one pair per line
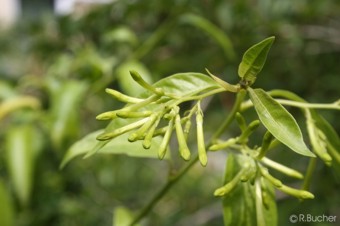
109, 115
183, 147
267, 139
135, 114
281, 168
301, 194
122, 130
164, 145
187, 127
248, 131
265, 195
137, 106
140, 132
202, 153
138, 78
223, 145
149, 134
317, 139
241, 121
227, 188
122, 97
249, 171
113, 114
276, 182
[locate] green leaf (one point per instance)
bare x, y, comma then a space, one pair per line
66, 99
122, 217
185, 84
279, 122
239, 206
22, 147
6, 207
213, 31
254, 59
118, 145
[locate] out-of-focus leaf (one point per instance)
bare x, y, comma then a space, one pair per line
122, 217
6, 91
254, 59
128, 85
118, 145
6, 207
239, 206
15, 103
279, 122
66, 101
23, 144
212, 30
121, 34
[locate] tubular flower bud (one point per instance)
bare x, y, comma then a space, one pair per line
276, 182
138, 78
113, 114
301, 194
223, 145
149, 135
202, 154
248, 131
187, 127
183, 147
135, 114
267, 139
281, 168
222, 191
122, 130
241, 121
140, 132
163, 147
122, 97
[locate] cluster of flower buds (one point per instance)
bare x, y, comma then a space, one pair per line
144, 117
252, 170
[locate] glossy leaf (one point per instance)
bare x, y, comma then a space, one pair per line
22, 147
6, 207
254, 59
118, 145
239, 206
279, 122
184, 84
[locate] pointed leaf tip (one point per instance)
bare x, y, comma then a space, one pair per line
254, 59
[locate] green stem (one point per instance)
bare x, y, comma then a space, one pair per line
309, 173
173, 180
334, 105
239, 98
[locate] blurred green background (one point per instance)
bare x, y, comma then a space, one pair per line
54, 69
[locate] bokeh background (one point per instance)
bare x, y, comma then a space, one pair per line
56, 60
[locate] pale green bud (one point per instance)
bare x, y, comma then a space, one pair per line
183, 147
